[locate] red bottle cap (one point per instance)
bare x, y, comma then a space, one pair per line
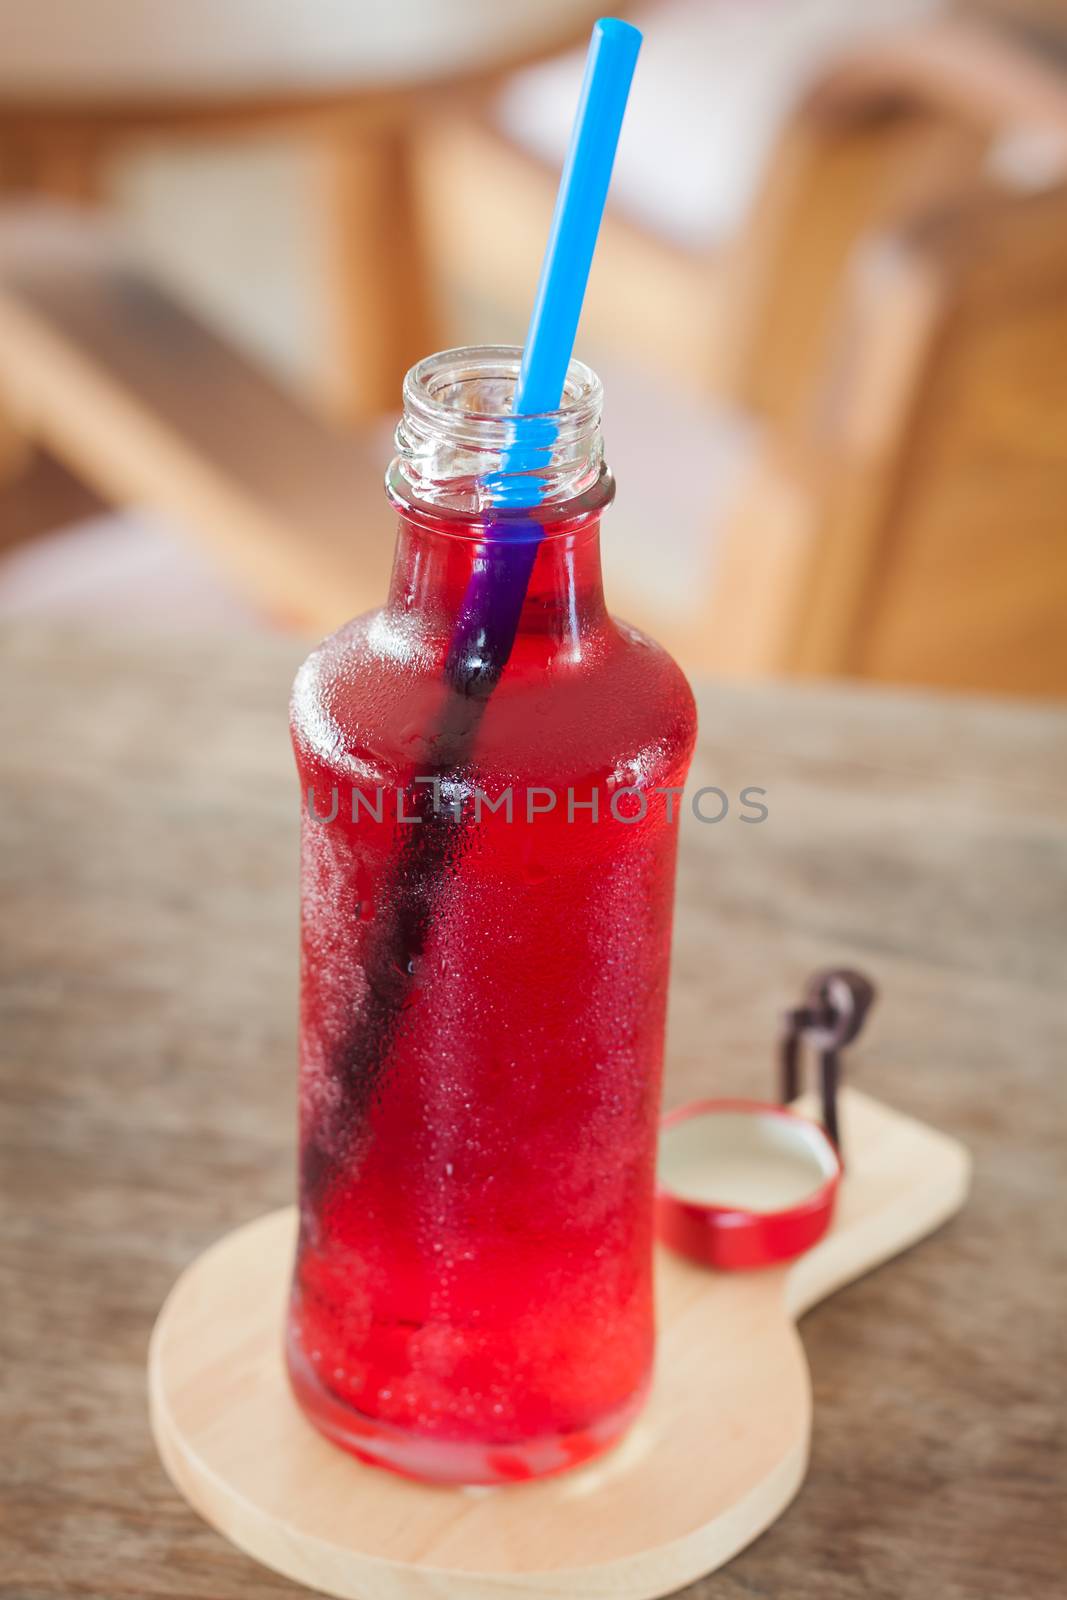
744, 1184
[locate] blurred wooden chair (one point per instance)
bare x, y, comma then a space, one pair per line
149, 406
898, 514
912, 120
797, 125
81, 84
896, 309
722, 160
913, 530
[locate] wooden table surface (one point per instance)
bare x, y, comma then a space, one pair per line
148, 984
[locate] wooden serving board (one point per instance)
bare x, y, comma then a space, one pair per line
720, 1449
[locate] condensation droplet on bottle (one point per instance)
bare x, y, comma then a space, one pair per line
364, 894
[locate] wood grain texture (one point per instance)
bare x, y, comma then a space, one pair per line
148, 986
637, 1523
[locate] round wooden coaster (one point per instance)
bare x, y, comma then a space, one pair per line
718, 1452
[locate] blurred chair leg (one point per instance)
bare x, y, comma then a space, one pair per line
15, 447
64, 167
377, 292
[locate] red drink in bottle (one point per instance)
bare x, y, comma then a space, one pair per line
487, 887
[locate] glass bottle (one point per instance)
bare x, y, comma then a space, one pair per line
488, 857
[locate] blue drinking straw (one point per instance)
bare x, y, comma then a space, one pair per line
489, 614
583, 190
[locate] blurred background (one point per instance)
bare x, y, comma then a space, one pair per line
829, 309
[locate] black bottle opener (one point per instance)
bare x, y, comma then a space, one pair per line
833, 1011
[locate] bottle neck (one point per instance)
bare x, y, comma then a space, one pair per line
555, 583
498, 546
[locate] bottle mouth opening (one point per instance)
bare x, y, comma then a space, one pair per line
460, 447
468, 393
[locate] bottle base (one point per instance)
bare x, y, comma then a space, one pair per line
430, 1460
